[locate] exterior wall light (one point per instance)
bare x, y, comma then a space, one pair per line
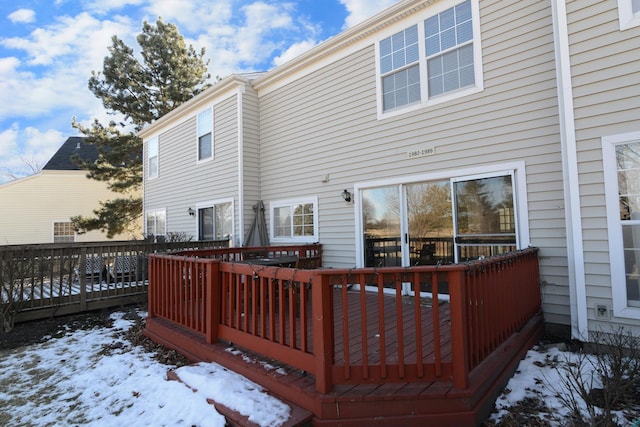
191, 212
346, 195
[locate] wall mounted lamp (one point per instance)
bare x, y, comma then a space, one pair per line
346, 195
191, 212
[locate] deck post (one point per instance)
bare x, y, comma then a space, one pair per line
212, 300
459, 329
152, 285
322, 318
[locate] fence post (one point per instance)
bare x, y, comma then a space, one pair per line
82, 278
322, 327
459, 330
212, 300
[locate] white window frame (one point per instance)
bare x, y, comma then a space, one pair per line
202, 132
65, 222
621, 307
213, 204
290, 203
447, 96
626, 16
155, 213
153, 152
519, 182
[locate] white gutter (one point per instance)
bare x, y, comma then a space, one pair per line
239, 94
573, 218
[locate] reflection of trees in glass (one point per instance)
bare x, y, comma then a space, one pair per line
485, 206
628, 162
381, 211
303, 220
429, 209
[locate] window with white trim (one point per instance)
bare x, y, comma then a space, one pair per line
294, 220
431, 61
156, 223
205, 135
628, 13
152, 154
621, 160
63, 232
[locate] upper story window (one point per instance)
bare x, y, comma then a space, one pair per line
63, 232
431, 61
152, 168
629, 13
205, 135
295, 220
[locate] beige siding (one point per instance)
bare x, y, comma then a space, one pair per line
30, 206
184, 182
606, 87
326, 123
251, 154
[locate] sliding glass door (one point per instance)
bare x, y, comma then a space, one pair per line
439, 222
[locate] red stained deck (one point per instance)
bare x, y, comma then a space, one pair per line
346, 344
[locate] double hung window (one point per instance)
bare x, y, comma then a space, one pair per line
156, 223
63, 232
621, 159
436, 57
295, 221
205, 135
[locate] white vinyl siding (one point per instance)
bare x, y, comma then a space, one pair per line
323, 144
602, 63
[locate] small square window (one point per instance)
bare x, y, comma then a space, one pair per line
628, 13
63, 232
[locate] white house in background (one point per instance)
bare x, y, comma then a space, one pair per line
455, 129
38, 208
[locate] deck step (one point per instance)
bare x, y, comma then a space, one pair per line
299, 417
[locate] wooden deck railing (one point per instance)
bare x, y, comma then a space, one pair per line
41, 280
352, 326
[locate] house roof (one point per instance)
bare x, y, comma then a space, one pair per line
74, 145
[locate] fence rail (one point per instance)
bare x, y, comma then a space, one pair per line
38, 281
352, 326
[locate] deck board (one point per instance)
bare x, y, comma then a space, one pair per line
359, 404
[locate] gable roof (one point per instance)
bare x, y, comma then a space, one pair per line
74, 145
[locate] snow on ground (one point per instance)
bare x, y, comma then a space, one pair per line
95, 377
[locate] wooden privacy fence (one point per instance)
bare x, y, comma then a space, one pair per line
356, 326
38, 281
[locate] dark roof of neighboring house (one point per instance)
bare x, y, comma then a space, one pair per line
74, 145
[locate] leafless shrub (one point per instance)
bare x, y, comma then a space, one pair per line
603, 381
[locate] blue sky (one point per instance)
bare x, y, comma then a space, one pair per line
49, 48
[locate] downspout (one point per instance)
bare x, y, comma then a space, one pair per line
239, 112
573, 218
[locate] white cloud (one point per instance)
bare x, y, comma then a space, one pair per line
360, 10
22, 16
294, 51
22, 148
